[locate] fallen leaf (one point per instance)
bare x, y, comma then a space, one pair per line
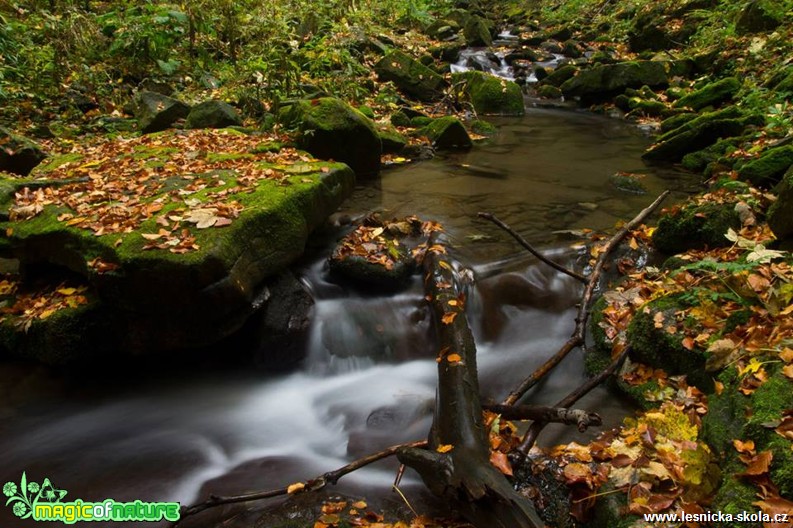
444, 448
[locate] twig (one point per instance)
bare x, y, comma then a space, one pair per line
579, 333
570, 399
539, 413
317, 483
522, 241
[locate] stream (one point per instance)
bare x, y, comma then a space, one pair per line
180, 433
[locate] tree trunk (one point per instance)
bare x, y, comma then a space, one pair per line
456, 466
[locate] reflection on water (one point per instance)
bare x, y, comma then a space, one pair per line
370, 377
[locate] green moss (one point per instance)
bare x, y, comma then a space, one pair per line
54, 162
710, 95
482, 127
492, 95
734, 497
410, 76
696, 226
446, 133
768, 169
215, 157
661, 348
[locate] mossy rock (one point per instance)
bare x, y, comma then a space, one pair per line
548, 91
212, 114
662, 347
561, 74
400, 119
207, 291
492, 95
676, 121
697, 161
332, 129
391, 139
369, 274
695, 135
447, 133
733, 415
477, 32
696, 226
156, 112
18, 155
712, 94
605, 80
780, 214
410, 76
757, 16
482, 127
648, 107
767, 170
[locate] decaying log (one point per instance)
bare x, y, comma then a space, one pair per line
456, 466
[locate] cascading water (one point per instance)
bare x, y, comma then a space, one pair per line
370, 375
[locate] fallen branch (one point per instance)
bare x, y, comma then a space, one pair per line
457, 467
317, 483
570, 399
538, 413
523, 242
579, 333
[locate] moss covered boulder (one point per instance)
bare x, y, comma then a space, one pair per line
759, 15
410, 76
733, 415
492, 95
212, 114
655, 335
697, 133
712, 94
332, 129
391, 139
606, 80
696, 226
558, 76
173, 233
767, 170
780, 215
18, 155
447, 133
477, 32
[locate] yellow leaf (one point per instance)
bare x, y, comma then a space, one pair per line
787, 370
444, 448
453, 358
294, 488
47, 313
360, 505
66, 291
754, 366
453, 302
448, 318
633, 244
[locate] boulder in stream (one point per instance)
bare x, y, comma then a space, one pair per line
492, 95
208, 216
477, 32
447, 133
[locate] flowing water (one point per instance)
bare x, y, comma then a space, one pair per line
178, 433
